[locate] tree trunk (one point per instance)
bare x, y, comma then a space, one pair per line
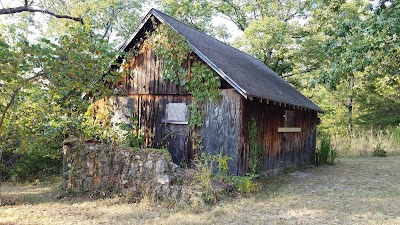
350, 105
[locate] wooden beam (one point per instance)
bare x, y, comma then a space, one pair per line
289, 129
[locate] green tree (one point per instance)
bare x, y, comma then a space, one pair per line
356, 56
197, 13
46, 85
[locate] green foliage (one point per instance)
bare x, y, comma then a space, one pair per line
197, 77
96, 122
35, 165
357, 60
205, 165
256, 151
271, 43
196, 13
133, 136
113, 20
245, 184
215, 167
379, 151
325, 152
46, 86
223, 166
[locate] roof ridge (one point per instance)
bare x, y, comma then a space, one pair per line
196, 30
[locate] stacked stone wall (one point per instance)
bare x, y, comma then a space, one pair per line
92, 168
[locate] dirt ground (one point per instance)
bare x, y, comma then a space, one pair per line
354, 191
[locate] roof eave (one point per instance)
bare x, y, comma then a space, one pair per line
285, 104
133, 35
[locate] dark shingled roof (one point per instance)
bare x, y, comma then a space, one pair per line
249, 76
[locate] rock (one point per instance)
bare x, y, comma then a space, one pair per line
163, 179
91, 168
89, 162
160, 166
148, 165
219, 186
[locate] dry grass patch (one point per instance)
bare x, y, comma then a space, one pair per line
354, 191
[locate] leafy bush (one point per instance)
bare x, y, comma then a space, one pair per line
379, 151
35, 165
325, 152
205, 165
133, 135
205, 172
245, 184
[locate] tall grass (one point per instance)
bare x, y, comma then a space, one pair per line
362, 142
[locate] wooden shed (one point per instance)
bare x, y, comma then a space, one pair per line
251, 93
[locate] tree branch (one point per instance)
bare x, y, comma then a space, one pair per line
26, 8
14, 95
3, 116
301, 72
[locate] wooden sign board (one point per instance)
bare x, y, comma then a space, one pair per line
289, 129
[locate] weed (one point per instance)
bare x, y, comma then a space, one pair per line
395, 134
326, 153
379, 151
245, 184
133, 135
360, 141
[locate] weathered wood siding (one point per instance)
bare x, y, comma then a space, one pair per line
221, 127
146, 95
279, 149
150, 112
146, 76
226, 125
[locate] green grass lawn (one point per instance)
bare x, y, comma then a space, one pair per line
353, 191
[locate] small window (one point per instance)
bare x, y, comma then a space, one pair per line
289, 118
176, 113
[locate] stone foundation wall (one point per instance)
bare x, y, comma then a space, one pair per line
132, 173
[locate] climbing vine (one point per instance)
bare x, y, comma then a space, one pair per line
181, 69
255, 151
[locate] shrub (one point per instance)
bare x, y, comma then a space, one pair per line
245, 184
379, 151
133, 135
35, 165
205, 166
325, 152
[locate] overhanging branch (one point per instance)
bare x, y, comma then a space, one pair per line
26, 8
14, 95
